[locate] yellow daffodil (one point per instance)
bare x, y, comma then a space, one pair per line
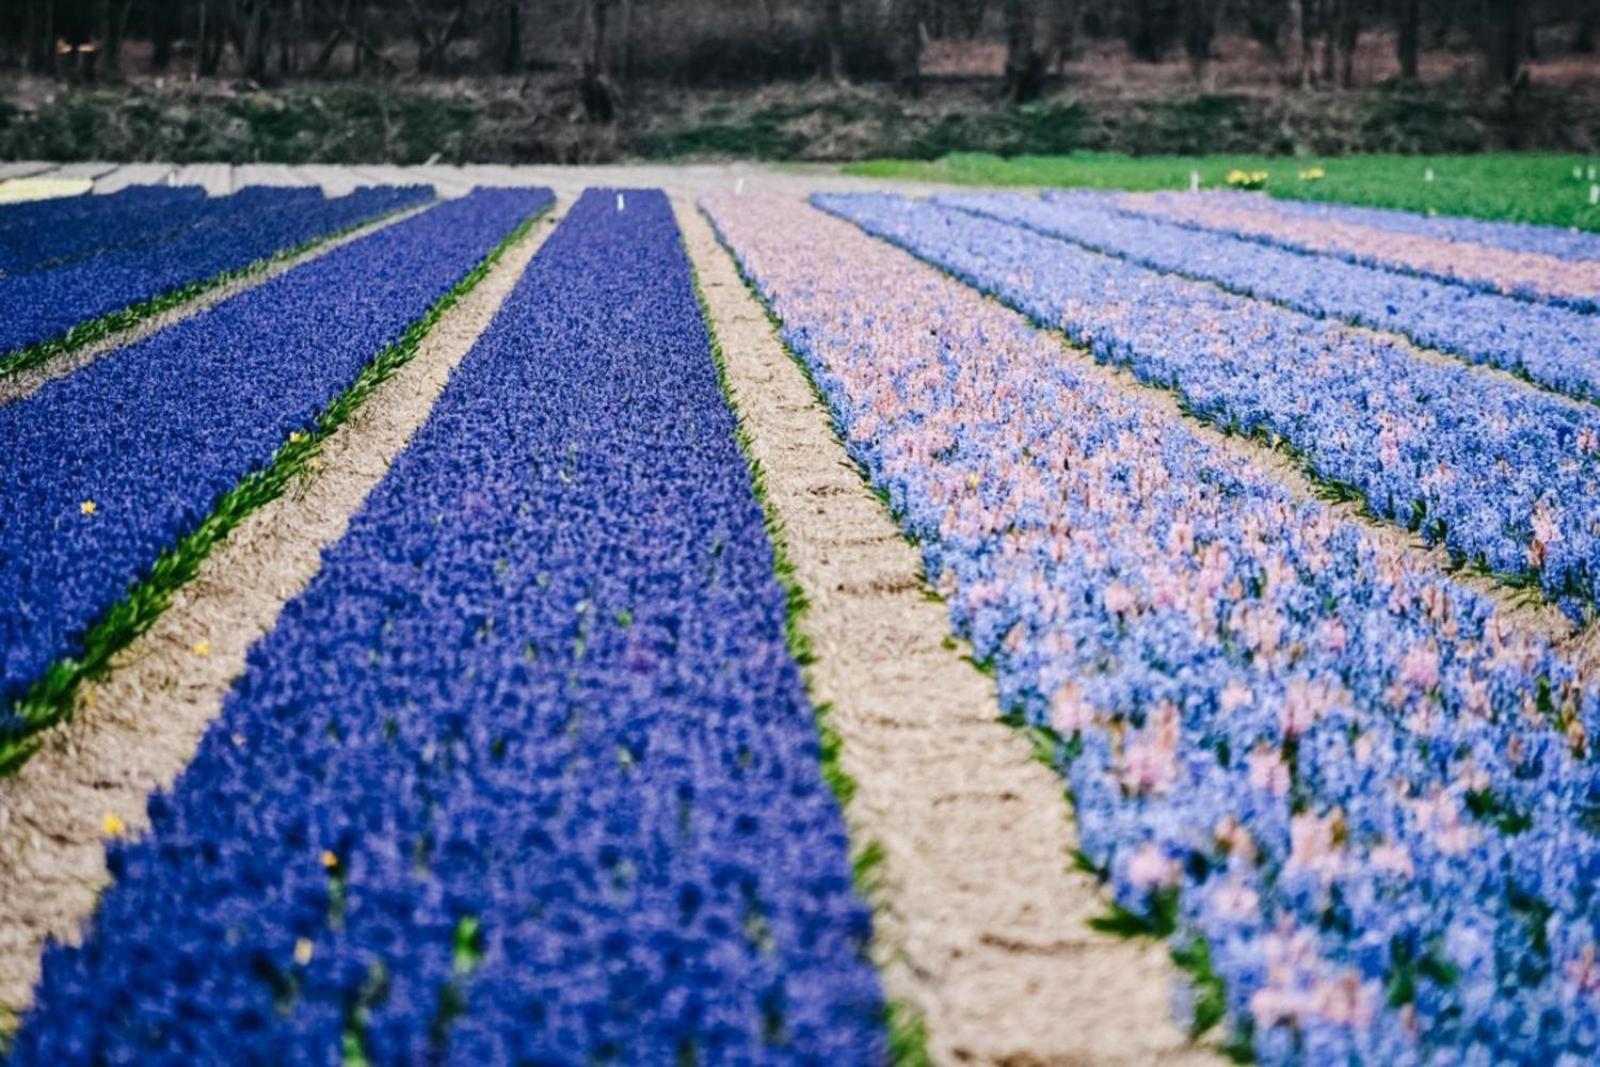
302, 951
86, 508
202, 648
112, 825
297, 436
1311, 174
329, 860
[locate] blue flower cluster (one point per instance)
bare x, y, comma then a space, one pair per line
1331, 774
38, 232
42, 305
139, 215
107, 467
527, 774
1504, 476
1553, 346
1511, 236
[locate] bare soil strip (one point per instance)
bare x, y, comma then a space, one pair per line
29, 380
981, 923
132, 733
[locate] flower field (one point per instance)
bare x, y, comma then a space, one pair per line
1284, 577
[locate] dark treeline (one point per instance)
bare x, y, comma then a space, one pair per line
610, 44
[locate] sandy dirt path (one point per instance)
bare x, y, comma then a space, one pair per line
132, 733
981, 924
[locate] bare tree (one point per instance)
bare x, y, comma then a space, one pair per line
1408, 36
1024, 71
1199, 27
1504, 37
833, 25
601, 98
905, 37
1302, 20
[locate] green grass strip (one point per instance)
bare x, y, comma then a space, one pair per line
50, 699
908, 1032
114, 322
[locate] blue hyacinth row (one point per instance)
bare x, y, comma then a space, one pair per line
527, 774
104, 469
137, 221
40, 231
1553, 346
1504, 476
43, 305
1511, 236
1330, 774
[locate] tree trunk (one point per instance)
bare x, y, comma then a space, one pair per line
906, 44
1349, 35
511, 53
1024, 71
1302, 16
1408, 14
1329, 19
1503, 42
833, 26
1583, 38
1063, 33
601, 101
1199, 25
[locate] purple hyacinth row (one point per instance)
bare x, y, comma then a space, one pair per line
42, 231
1553, 346
141, 221
104, 469
44, 305
1525, 275
527, 774
1328, 770
1511, 236
1502, 475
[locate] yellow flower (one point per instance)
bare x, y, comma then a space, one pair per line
86, 508
297, 437
202, 648
302, 951
329, 860
1311, 174
112, 825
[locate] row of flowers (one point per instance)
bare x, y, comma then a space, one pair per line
109, 466
1332, 775
138, 216
1502, 475
1538, 276
40, 232
1511, 236
527, 774
1553, 346
44, 305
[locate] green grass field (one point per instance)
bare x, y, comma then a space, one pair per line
1522, 188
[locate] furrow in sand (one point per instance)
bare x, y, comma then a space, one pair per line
981, 925
28, 380
134, 731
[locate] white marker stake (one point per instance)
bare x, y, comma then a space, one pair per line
1591, 172
1194, 181
1594, 194
1427, 175
621, 203
738, 190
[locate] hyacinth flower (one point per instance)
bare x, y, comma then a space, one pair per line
1553, 347
1502, 475
1537, 276
1555, 241
1286, 741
